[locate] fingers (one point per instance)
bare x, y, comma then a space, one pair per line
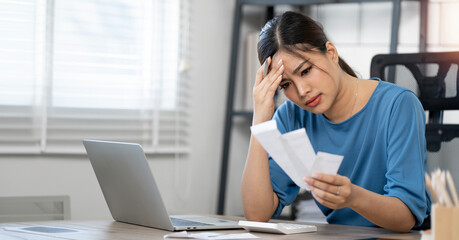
272, 80
329, 183
330, 179
272, 77
331, 188
327, 199
260, 71
264, 90
332, 191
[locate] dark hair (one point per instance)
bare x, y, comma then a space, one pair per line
294, 32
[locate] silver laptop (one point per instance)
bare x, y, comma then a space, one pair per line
131, 192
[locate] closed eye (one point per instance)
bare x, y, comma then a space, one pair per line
305, 71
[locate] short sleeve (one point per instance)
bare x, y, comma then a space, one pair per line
407, 155
282, 184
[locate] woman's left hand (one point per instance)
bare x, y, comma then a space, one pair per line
332, 191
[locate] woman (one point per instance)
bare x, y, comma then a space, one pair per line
377, 126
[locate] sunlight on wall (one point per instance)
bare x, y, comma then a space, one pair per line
449, 34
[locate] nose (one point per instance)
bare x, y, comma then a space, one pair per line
303, 89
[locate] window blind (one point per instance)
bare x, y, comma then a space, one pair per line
107, 69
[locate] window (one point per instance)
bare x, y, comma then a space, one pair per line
101, 69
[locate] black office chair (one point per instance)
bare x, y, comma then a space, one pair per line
434, 77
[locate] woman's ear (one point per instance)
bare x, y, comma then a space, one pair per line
332, 52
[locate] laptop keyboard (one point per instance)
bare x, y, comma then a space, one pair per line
185, 223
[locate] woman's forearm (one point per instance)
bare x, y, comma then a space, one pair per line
258, 199
384, 211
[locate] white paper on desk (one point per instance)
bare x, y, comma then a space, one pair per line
209, 235
270, 138
16, 236
49, 231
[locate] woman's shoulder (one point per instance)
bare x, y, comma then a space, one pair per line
391, 99
390, 92
393, 88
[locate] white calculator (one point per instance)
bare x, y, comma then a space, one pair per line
282, 228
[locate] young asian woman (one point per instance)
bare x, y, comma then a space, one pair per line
377, 126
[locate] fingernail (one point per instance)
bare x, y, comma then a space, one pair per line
282, 67
280, 61
315, 175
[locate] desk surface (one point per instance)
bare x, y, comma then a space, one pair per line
111, 230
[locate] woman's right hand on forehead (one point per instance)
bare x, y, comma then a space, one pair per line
264, 90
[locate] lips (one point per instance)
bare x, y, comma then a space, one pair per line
312, 102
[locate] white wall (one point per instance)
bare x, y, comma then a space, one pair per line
187, 185
211, 31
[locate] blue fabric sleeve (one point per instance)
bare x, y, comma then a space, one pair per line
407, 155
283, 185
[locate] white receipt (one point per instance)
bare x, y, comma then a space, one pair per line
294, 153
327, 163
270, 138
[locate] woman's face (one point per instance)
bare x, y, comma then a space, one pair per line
310, 79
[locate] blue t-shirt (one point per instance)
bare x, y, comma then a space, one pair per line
383, 146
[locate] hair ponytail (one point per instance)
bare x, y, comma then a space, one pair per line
346, 68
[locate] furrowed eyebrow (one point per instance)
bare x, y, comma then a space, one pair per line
300, 66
